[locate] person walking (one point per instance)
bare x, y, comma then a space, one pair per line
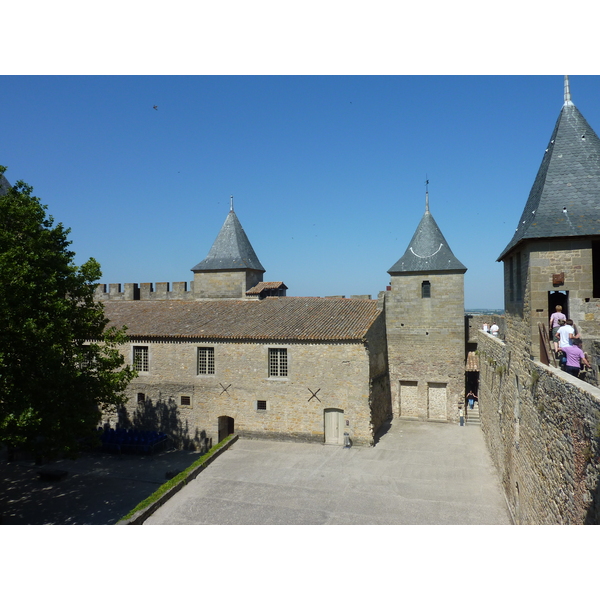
565, 334
555, 317
575, 357
471, 397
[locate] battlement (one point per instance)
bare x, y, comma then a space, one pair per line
180, 290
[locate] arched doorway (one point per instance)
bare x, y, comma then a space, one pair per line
226, 427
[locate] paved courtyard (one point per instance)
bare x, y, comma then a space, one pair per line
418, 473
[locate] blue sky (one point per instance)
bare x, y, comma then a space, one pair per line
327, 172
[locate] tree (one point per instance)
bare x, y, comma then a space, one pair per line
60, 365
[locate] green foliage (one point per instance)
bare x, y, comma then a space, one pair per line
165, 487
59, 364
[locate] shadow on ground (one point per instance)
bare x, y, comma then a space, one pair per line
98, 489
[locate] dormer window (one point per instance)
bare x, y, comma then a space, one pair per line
426, 289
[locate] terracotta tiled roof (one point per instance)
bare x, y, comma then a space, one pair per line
265, 285
472, 362
276, 318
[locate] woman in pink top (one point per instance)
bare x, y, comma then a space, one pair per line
554, 318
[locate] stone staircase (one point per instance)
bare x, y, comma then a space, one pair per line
473, 415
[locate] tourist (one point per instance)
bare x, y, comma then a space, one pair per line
486, 328
565, 334
471, 397
494, 329
575, 357
554, 318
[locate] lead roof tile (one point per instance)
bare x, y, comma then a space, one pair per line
427, 251
231, 249
564, 200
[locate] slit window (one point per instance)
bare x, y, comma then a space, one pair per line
426, 289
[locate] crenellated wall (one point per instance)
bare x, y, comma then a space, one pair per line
542, 427
180, 290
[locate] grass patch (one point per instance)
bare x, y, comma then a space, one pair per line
165, 487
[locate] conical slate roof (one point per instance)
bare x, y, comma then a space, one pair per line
565, 198
428, 250
4, 185
231, 249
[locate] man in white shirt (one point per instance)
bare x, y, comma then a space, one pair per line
565, 334
494, 329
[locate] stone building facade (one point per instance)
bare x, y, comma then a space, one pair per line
543, 425
308, 369
425, 323
339, 352
234, 353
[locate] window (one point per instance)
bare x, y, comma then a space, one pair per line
278, 366
426, 289
140, 358
511, 279
186, 401
519, 283
206, 361
261, 405
141, 398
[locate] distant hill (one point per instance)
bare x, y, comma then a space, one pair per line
484, 311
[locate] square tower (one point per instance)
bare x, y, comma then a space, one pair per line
425, 323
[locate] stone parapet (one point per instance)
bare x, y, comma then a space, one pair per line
542, 427
180, 290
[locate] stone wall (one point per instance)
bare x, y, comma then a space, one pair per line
426, 345
474, 323
542, 427
529, 279
379, 379
225, 284
180, 290
344, 376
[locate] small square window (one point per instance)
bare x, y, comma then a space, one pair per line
206, 361
278, 365
261, 405
141, 397
186, 401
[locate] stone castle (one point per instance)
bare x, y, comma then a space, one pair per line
233, 353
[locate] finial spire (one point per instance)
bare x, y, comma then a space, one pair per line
231, 204
426, 194
567, 92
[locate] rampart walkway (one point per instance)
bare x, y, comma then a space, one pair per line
418, 473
